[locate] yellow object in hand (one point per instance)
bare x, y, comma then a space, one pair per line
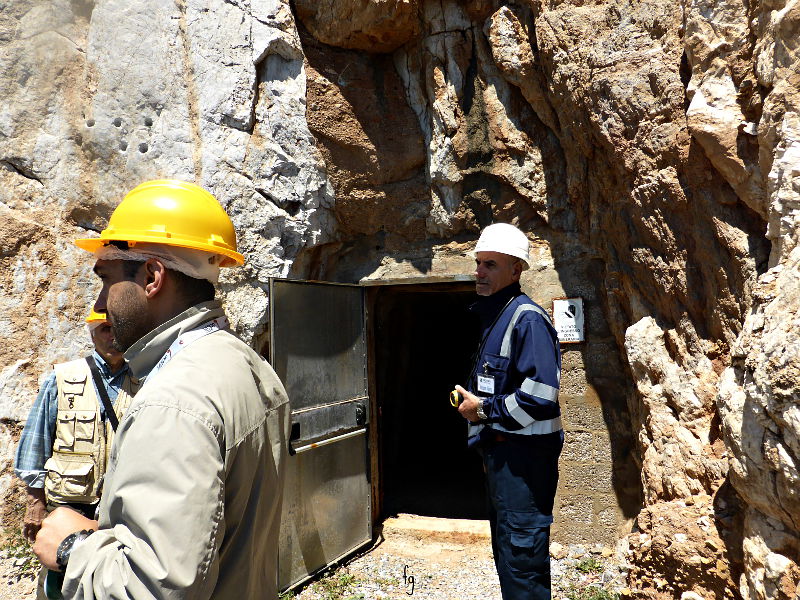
455, 398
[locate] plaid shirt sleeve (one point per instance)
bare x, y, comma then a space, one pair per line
36, 443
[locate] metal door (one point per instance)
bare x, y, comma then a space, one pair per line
318, 349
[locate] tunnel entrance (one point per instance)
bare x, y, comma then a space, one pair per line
424, 338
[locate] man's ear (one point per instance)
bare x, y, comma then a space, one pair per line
517, 269
155, 274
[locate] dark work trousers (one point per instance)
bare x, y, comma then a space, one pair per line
521, 486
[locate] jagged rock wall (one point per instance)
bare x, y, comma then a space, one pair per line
99, 96
659, 138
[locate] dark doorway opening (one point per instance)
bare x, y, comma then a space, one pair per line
424, 340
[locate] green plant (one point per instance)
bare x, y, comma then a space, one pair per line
287, 595
590, 592
337, 586
589, 565
18, 553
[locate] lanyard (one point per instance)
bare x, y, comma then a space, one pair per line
184, 340
478, 354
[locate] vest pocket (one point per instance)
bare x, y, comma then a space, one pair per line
70, 477
84, 425
65, 430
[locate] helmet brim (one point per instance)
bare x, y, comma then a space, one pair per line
524, 261
232, 258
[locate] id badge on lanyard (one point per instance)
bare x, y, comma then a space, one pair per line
486, 381
486, 384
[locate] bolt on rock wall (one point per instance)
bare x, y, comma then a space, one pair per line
655, 140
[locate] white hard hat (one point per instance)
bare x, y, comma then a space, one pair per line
504, 238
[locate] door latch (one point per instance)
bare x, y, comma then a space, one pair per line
361, 414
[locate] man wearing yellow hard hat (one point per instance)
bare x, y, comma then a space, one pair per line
63, 450
191, 501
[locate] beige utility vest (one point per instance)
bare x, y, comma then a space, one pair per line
82, 440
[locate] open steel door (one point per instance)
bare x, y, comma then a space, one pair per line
318, 349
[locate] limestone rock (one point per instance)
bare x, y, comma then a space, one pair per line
370, 138
487, 149
558, 551
674, 559
759, 396
135, 91
720, 93
371, 25
509, 35
650, 149
8, 439
680, 459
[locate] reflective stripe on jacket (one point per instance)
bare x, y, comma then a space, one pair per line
521, 352
82, 438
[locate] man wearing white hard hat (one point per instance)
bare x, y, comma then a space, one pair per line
192, 497
511, 403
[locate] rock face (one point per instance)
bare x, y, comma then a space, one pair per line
370, 25
659, 140
668, 560
130, 92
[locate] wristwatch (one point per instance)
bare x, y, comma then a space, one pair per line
68, 544
481, 415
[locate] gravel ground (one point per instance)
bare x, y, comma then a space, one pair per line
412, 561
13, 585
423, 559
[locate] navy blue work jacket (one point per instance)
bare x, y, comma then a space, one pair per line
520, 352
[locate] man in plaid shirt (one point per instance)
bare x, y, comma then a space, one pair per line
36, 443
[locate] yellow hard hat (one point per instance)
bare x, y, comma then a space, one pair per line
96, 317
173, 213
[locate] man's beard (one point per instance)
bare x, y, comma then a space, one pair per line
129, 321
126, 333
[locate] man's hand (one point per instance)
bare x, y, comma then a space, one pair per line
58, 525
35, 512
469, 405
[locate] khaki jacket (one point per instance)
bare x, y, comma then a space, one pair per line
192, 499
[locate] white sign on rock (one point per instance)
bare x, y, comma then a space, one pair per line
568, 319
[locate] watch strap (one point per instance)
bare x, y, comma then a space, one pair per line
68, 544
481, 414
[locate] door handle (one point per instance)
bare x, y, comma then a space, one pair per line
361, 414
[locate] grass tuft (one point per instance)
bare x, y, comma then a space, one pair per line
17, 551
337, 586
589, 565
590, 592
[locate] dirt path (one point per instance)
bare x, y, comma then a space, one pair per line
451, 559
419, 557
